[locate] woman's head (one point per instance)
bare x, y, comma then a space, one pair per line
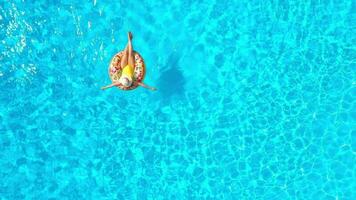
125, 81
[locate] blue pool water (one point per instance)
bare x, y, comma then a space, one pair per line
255, 100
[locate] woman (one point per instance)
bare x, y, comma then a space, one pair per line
127, 65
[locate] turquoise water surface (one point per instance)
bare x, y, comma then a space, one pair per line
255, 100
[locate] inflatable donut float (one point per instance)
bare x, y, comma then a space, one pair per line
115, 70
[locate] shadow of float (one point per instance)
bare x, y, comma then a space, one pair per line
171, 80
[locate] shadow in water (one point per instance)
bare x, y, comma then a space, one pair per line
171, 81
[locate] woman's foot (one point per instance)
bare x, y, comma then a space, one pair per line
129, 35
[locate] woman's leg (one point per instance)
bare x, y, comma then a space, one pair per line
131, 58
124, 62
126, 57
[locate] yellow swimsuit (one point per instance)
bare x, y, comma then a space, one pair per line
128, 72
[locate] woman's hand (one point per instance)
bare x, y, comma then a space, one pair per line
146, 86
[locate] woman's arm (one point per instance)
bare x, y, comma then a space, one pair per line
111, 85
146, 86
